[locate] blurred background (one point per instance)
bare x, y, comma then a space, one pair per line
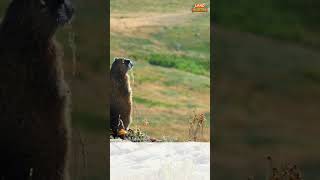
267, 86
85, 66
170, 46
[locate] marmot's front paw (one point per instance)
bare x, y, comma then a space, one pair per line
122, 133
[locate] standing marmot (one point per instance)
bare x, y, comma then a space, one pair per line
121, 95
34, 99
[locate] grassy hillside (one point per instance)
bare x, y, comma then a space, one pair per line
267, 66
266, 93
171, 49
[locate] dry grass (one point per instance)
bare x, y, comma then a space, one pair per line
196, 126
144, 24
193, 130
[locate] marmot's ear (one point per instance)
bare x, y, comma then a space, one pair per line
118, 58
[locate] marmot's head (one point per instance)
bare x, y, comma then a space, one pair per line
121, 66
58, 11
40, 16
50, 13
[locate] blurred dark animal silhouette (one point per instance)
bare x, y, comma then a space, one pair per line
34, 98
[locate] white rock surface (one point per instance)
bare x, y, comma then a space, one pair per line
160, 161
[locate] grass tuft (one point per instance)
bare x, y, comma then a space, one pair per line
196, 126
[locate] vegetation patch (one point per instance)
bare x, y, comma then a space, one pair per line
193, 65
191, 39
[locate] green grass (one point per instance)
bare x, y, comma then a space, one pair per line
185, 47
294, 20
199, 83
171, 93
184, 63
152, 103
192, 38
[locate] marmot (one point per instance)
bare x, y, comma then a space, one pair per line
121, 94
34, 98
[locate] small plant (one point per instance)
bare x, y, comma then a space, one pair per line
286, 172
136, 135
145, 123
196, 126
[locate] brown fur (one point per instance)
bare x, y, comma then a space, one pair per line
34, 98
121, 95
